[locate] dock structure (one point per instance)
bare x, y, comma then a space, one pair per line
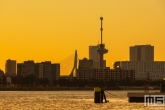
139, 97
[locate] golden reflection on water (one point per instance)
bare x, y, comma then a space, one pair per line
66, 100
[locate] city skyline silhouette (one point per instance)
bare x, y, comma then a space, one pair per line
51, 31
72, 54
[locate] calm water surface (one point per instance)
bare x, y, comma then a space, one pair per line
67, 100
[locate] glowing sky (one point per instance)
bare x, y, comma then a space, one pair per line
42, 30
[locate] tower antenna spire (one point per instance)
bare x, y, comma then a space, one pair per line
101, 49
101, 29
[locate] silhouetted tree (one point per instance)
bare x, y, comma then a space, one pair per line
14, 80
20, 80
0, 80
4, 80
31, 79
46, 82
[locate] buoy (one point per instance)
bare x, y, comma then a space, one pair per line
99, 95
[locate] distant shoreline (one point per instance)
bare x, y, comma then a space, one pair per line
69, 88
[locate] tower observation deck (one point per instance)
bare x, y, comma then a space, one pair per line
102, 50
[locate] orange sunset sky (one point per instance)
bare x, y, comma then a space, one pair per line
52, 30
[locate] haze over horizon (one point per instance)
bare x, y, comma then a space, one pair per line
52, 30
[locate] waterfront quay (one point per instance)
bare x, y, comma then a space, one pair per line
68, 88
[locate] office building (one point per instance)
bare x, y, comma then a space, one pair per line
142, 53
85, 74
85, 64
85, 69
48, 70
119, 74
21, 69
30, 67
39, 70
26, 68
94, 55
102, 74
1, 73
55, 71
105, 75
144, 70
10, 67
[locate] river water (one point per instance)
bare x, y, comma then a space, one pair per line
67, 100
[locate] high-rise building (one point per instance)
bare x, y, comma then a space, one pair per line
85, 74
142, 53
119, 74
47, 70
39, 70
26, 68
30, 67
10, 67
85, 64
105, 74
144, 70
55, 71
21, 69
94, 55
85, 69
1, 73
